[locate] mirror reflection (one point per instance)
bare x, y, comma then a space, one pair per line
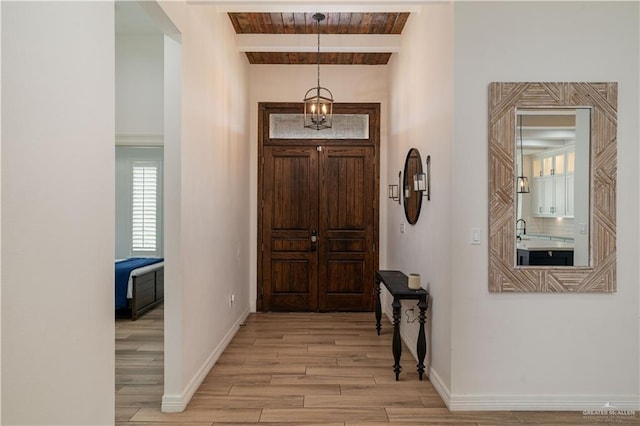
412, 188
552, 187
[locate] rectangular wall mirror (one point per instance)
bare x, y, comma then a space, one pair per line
552, 187
552, 216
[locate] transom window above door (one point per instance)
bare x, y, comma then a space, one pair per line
345, 126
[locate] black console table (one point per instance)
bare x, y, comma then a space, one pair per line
396, 283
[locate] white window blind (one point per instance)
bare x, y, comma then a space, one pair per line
144, 219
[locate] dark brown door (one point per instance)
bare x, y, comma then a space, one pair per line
317, 222
346, 255
290, 213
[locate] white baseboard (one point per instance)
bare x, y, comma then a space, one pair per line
591, 405
139, 139
440, 386
587, 403
176, 403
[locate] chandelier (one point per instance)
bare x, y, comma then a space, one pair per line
318, 101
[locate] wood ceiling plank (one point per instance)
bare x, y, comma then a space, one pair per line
299, 23
326, 58
401, 21
389, 23
255, 24
303, 23
277, 22
365, 23
333, 22
344, 23
355, 22
288, 23
378, 23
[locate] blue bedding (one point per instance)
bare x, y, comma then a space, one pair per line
123, 270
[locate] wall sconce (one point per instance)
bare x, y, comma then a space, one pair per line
428, 192
523, 185
420, 182
394, 190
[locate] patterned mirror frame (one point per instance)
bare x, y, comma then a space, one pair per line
600, 276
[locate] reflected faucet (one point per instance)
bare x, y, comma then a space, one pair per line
523, 229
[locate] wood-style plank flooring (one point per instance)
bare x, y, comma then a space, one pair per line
291, 369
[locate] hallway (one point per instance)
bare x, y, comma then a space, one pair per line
289, 368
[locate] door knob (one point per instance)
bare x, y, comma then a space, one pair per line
314, 240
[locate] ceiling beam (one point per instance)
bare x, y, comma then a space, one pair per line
311, 6
309, 43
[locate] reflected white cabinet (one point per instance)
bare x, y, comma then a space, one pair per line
570, 185
552, 184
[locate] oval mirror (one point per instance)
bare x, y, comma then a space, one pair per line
411, 193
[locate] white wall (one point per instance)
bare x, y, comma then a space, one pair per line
0, 219
542, 351
172, 211
139, 85
421, 116
206, 177
288, 83
57, 213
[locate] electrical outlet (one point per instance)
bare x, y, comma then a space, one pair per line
402, 227
232, 298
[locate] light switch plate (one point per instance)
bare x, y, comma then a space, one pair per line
475, 236
582, 228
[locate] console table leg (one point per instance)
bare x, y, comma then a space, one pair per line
397, 343
378, 307
422, 341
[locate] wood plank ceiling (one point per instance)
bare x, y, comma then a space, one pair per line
335, 23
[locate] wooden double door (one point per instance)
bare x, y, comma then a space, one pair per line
318, 221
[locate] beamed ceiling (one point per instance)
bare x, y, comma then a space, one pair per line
377, 34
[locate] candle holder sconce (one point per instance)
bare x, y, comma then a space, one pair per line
394, 190
428, 178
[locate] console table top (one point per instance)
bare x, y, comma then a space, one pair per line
397, 284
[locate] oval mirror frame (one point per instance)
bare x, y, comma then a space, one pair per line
412, 199
504, 99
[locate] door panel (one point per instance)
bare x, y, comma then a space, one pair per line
347, 218
290, 215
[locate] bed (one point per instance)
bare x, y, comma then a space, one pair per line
139, 284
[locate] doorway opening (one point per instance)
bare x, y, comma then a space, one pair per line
148, 126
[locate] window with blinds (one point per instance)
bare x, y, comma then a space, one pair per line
144, 214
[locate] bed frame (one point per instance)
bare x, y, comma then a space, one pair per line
147, 292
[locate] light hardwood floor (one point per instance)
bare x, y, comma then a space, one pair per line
290, 369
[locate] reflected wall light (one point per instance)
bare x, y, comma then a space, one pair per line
522, 183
